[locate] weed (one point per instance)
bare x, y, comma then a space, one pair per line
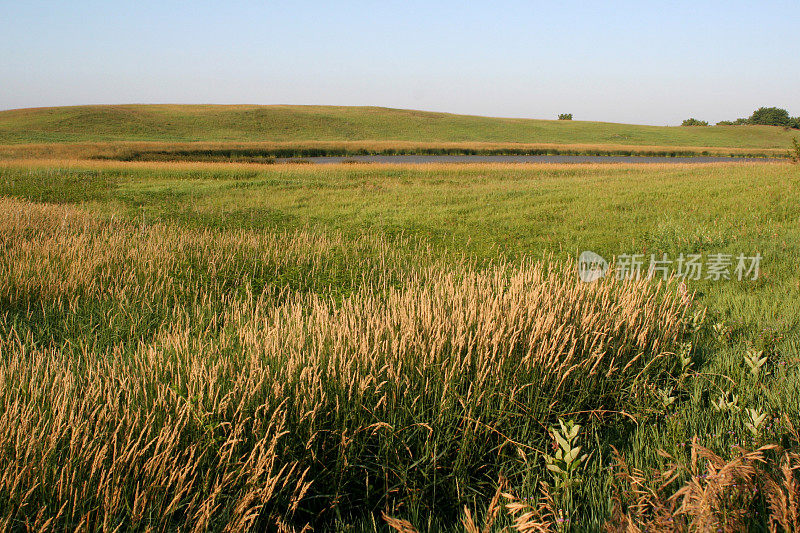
727, 402
755, 362
567, 461
755, 422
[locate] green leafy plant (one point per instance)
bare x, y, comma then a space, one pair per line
721, 331
665, 396
756, 421
755, 361
685, 358
567, 459
727, 402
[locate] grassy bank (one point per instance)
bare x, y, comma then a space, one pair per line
236, 345
269, 152
235, 124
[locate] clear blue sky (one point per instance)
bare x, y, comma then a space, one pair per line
639, 62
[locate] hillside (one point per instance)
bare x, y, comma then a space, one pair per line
247, 123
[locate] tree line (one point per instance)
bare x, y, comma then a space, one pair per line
766, 116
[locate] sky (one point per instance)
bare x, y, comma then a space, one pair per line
635, 62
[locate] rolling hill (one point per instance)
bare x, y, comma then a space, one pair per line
279, 123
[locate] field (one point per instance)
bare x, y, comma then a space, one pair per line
211, 346
242, 132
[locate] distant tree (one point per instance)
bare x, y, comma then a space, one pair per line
737, 122
794, 122
565, 116
770, 116
794, 151
694, 122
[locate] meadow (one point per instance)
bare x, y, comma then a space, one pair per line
197, 132
222, 346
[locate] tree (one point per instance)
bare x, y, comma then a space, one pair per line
565, 116
794, 151
694, 122
770, 116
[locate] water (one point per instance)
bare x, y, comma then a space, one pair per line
420, 159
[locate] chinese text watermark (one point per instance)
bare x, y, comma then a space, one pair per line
715, 266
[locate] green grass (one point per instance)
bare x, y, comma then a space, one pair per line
482, 210
425, 217
190, 123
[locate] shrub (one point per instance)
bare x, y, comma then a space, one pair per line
770, 116
694, 122
565, 116
794, 151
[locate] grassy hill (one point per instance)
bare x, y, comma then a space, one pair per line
248, 123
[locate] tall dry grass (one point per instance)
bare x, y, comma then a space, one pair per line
707, 493
153, 377
712, 493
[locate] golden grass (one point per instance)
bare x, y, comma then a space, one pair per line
213, 402
715, 494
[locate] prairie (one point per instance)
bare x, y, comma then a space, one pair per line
332, 130
224, 346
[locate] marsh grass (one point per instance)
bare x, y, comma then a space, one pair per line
158, 377
221, 346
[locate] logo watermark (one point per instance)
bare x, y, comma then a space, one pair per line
591, 266
715, 266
